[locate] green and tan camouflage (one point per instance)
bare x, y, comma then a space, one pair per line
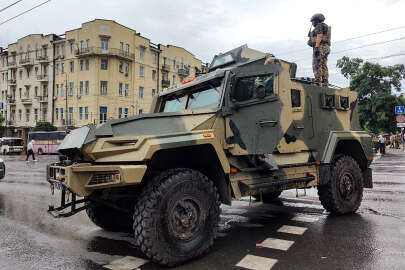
249, 125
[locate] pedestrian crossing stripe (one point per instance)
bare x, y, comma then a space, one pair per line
256, 262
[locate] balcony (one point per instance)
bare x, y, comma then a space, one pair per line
27, 62
43, 59
42, 99
166, 68
105, 52
12, 64
165, 83
10, 100
42, 78
12, 82
26, 101
184, 72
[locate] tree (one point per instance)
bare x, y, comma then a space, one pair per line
375, 85
44, 126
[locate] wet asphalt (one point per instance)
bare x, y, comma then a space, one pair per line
373, 238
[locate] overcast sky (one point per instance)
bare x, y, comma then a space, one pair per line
209, 27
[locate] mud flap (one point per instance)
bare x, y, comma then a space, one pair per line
368, 178
324, 174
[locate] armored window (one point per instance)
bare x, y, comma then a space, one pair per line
254, 87
295, 98
327, 101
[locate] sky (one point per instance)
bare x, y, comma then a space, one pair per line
206, 28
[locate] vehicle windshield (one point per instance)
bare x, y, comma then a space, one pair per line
13, 142
206, 95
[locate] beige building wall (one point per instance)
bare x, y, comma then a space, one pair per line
29, 72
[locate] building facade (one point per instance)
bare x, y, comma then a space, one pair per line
100, 71
26, 83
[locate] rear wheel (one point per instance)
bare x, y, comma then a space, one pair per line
344, 192
108, 218
268, 197
40, 152
176, 217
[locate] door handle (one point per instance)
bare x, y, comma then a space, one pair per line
271, 123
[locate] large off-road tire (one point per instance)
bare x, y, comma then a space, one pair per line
176, 216
108, 218
268, 197
344, 192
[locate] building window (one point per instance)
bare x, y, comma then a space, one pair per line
87, 64
21, 74
19, 115
44, 113
57, 68
27, 115
63, 50
20, 92
153, 92
62, 90
61, 113
81, 88
104, 63
119, 113
87, 43
86, 113
81, 65
57, 90
36, 90
154, 58
62, 66
127, 49
27, 92
140, 111
126, 89
120, 89
121, 47
174, 63
86, 87
140, 92
154, 75
72, 47
104, 44
103, 114
80, 113
45, 91
36, 114
126, 69
72, 66
56, 114
141, 71
174, 79
70, 117
103, 88
36, 71
142, 53
71, 88
121, 67
81, 45
125, 112
57, 51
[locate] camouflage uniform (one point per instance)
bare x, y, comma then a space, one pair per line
320, 54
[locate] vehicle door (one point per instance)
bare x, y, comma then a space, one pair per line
254, 112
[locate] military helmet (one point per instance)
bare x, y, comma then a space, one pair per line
318, 17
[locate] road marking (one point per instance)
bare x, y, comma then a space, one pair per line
256, 263
126, 263
305, 219
277, 244
292, 229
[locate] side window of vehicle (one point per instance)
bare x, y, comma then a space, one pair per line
255, 87
295, 98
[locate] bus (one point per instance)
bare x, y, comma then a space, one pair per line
11, 145
46, 142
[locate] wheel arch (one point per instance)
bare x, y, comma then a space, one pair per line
201, 157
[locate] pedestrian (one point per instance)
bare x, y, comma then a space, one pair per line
30, 150
392, 140
319, 40
381, 142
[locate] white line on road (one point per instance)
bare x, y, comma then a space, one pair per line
305, 219
126, 263
292, 229
277, 244
256, 263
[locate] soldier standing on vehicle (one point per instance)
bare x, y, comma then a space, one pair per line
319, 40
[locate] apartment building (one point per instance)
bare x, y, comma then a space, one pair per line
105, 70
26, 83
100, 71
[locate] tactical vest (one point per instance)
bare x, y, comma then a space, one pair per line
325, 39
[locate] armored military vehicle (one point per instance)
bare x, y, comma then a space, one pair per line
248, 127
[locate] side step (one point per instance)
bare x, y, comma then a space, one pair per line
266, 184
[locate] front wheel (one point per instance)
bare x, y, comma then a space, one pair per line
344, 192
176, 217
40, 152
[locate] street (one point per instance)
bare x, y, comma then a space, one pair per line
292, 233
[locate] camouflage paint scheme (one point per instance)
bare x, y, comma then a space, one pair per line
300, 139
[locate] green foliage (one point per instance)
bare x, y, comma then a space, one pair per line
2, 126
44, 126
375, 85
